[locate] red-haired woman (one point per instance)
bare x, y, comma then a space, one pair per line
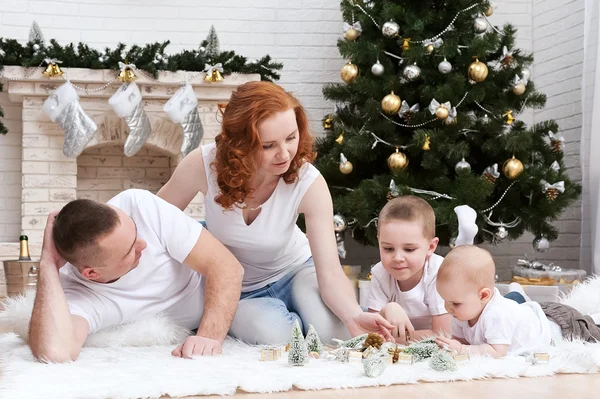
256, 179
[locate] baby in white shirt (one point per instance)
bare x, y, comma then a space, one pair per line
484, 322
403, 284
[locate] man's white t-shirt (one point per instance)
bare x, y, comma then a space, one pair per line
159, 284
420, 303
524, 327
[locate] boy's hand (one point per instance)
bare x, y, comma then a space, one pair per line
403, 328
449, 344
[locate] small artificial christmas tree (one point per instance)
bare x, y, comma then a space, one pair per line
431, 105
35, 34
353, 343
313, 343
298, 354
442, 361
422, 350
212, 46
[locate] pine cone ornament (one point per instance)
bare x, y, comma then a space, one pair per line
373, 339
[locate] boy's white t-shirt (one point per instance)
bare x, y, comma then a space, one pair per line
420, 303
159, 284
524, 327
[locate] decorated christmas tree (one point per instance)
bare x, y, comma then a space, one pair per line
298, 354
431, 104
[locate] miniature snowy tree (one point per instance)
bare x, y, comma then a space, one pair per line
298, 355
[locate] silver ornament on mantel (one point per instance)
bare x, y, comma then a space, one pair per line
541, 244
339, 223
390, 29
377, 69
462, 166
445, 67
412, 72
480, 24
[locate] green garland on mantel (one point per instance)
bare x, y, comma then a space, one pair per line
150, 58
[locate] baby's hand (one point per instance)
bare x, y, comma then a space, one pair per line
449, 344
397, 316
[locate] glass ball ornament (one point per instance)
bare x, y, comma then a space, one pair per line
339, 223
351, 34
412, 72
478, 71
526, 73
349, 72
391, 103
397, 161
519, 89
481, 25
36, 47
541, 244
390, 29
513, 168
462, 167
377, 69
445, 67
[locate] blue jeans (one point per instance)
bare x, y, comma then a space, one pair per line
266, 316
515, 296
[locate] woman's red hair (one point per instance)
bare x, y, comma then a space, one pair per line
238, 143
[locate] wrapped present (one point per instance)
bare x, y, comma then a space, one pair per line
270, 354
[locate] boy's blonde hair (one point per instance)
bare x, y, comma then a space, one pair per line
472, 265
409, 208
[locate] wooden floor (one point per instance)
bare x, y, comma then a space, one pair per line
574, 386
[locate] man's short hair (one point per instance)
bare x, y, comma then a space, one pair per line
78, 227
409, 208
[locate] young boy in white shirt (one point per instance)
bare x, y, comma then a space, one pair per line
484, 322
403, 284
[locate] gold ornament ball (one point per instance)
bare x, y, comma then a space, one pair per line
351, 34
391, 103
512, 168
478, 71
397, 161
346, 168
489, 11
442, 113
349, 72
519, 89
429, 48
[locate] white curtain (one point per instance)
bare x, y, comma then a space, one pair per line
590, 140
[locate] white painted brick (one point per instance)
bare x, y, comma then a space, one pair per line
99, 160
99, 184
83, 194
35, 168
36, 194
43, 154
121, 172
146, 161
63, 168
48, 181
63, 195
43, 208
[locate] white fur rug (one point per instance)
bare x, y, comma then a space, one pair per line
117, 364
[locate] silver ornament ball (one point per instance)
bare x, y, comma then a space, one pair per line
501, 233
462, 167
445, 67
36, 47
452, 242
480, 25
339, 223
541, 244
390, 29
526, 73
377, 69
412, 72
158, 57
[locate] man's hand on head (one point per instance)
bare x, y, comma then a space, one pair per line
50, 254
197, 345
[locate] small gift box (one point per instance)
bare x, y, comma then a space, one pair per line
270, 354
539, 358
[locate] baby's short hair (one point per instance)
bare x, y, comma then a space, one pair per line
409, 208
471, 264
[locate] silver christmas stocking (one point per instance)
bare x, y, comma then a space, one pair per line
127, 104
182, 108
63, 107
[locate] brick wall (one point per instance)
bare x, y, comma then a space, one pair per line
302, 34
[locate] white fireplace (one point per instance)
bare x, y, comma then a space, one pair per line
50, 179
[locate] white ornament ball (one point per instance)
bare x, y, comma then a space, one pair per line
36, 47
541, 244
377, 69
412, 72
480, 25
526, 73
101, 59
462, 167
156, 61
445, 67
202, 49
158, 57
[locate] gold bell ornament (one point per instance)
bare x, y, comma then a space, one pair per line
327, 123
213, 73
397, 161
426, 144
52, 69
513, 168
127, 74
349, 72
340, 139
478, 71
391, 103
406, 43
509, 117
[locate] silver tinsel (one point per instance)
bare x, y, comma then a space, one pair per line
139, 130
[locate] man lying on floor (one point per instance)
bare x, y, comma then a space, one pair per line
130, 259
